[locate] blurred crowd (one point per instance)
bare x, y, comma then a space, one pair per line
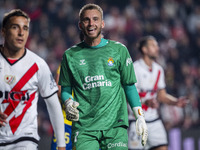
174, 23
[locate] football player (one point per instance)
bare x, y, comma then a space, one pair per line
23, 76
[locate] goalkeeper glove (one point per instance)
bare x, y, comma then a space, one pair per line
141, 127
72, 113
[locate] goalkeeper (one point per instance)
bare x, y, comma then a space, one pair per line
100, 72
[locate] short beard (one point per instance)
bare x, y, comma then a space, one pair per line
92, 37
153, 57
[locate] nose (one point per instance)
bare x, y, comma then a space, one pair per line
91, 22
21, 32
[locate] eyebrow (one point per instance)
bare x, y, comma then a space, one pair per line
14, 24
94, 17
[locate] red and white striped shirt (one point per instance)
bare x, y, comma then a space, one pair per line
20, 85
149, 81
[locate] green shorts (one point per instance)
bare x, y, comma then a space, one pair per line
112, 139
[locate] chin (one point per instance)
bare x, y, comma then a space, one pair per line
18, 48
153, 58
91, 37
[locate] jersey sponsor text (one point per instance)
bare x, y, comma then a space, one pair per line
98, 82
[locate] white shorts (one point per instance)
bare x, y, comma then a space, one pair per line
157, 136
23, 145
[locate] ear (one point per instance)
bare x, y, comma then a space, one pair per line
80, 25
3, 32
144, 50
103, 24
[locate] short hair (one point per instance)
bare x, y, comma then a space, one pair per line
143, 42
12, 13
90, 7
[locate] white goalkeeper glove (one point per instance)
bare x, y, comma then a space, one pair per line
141, 127
72, 113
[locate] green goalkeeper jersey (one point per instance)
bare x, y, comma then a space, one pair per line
97, 75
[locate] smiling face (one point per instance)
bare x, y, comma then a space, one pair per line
15, 34
91, 25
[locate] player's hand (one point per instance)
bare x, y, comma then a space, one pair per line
182, 101
141, 129
72, 113
153, 103
3, 118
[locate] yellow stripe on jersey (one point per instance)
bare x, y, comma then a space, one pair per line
65, 120
58, 70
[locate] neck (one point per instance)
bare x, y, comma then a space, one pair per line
148, 61
93, 42
12, 54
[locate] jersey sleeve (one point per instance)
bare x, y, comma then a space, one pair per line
65, 73
161, 83
46, 83
126, 67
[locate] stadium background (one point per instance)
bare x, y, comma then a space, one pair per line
175, 24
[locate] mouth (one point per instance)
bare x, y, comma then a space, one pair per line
91, 30
20, 41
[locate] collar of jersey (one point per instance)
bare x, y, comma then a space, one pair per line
145, 65
101, 44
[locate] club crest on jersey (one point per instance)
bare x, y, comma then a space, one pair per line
110, 62
9, 79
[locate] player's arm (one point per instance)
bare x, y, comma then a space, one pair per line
65, 78
72, 113
164, 97
56, 117
134, 101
